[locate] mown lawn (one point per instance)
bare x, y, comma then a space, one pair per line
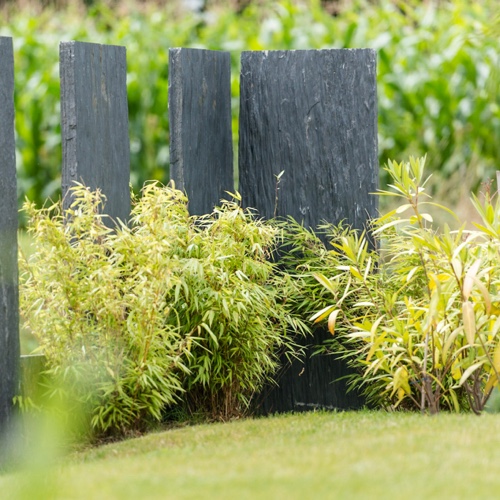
319, 455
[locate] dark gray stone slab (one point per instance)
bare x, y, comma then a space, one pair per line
201, 148
94, 123
9, 295
313, 115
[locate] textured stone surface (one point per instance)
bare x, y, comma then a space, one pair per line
201, 150
94, 123
313, 115
9, 298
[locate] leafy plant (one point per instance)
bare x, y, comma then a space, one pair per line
166, 310
419, 320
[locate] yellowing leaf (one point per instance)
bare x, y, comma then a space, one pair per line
325, 282
469, 321
411, 274
368, 268
388, 225
321, 315
496, 358
364, 304
454, 399
356, 273
472, 368
401, 393
457, 267
331, 321
450, 340
403, 208
490, 383
400, 382
456, 372
469, 278
484, 293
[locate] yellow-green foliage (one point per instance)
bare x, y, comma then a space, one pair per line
420, 320
167, 310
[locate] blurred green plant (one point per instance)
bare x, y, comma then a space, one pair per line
438, 76
168, 310
420, 320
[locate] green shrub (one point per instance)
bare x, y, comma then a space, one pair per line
168, 310
419, 320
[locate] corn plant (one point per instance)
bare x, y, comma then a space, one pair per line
419, 319
437, 74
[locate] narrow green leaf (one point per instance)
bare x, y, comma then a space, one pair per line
329, 285
467, 373
321, 315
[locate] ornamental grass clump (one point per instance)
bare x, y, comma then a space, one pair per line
166, 311
419, 320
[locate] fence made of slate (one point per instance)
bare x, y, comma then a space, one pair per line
311, 114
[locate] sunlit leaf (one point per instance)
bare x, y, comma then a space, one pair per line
469, 279
332, 318
328, 284
469, 371
321, 315
469, 320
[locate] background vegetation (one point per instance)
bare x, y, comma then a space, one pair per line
438, 73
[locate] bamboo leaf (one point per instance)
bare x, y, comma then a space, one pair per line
467, 373
332, 320
469, 279
491, 382
441, 207
325, 282
469, 320
457, 267
364, 304
368, 268
390, 224
321, 315
454, 398
484, 293
386, 216
355, 273
496, 358
403, 208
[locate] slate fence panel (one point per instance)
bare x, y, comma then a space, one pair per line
201, 145
311, 114
9, 295
94, 123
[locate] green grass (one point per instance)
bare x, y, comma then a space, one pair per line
319, 455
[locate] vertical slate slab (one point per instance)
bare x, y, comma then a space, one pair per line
313, 115
9, 295
94, 117
201, 147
